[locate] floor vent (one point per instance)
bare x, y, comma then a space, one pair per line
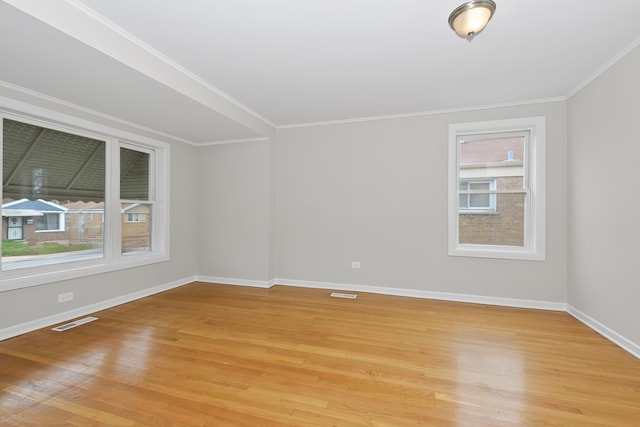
340, 295
74, 324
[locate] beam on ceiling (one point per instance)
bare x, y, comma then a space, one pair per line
87, 26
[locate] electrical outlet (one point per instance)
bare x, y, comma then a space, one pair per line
355, 264
68, 296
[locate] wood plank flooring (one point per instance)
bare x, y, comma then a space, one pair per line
214, 355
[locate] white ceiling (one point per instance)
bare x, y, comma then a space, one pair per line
211, 70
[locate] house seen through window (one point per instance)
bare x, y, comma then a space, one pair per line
491, 189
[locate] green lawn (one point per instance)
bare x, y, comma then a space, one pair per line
11, 248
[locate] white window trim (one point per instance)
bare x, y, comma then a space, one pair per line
534, 247
113, 259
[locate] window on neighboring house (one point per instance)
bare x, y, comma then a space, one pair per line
49, 222
133, 217
472, 201
496, 189
48, 166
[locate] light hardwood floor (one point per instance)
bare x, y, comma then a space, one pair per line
214, 355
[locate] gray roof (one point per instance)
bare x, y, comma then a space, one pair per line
33, 205
27, 207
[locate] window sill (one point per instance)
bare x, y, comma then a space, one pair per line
17, 279
479, 212
499, 252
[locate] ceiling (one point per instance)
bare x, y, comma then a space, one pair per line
208, 71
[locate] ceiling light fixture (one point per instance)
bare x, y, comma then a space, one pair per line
470, 18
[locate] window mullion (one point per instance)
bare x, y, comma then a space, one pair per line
112, 203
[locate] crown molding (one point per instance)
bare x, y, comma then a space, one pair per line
93, 115
233, 141
610, 63
424, 113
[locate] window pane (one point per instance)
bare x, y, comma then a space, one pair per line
479, 186
49, 177
479, 201
490, 151
505, 226
136, 227
492, 163
491, 159
134, 174
134, 187
48, 221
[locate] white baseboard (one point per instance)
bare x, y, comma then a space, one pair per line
611, 335
238, 282
415, 293
606, 332
33, 325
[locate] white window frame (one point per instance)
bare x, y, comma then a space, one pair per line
113, 259
534, 227
151, 198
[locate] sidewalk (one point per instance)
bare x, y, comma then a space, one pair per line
25, 261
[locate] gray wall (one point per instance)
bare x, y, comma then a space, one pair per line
604, 147
234, 211
376, 192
